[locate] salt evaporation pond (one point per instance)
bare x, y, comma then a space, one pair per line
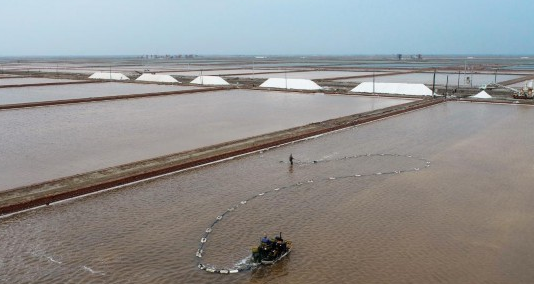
441, 79
465, 219
222, 72
19, 95
520, 85
312, 75
20, 81
40, 144
5, 76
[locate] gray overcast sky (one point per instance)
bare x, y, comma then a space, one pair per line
253, 27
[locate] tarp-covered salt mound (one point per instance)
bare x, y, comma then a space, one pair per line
297, 84
209, 80
157, 78
482, 95
393, 88
108, 76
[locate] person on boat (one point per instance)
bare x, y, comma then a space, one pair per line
265, 247
281, 246
265, 239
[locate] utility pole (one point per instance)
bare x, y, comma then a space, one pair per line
434, 85
495, 81
447, 87
471, 77
459, 72
373, 83
286, 79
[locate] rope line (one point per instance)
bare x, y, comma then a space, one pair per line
247, 266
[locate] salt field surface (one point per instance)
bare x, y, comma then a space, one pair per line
20, 81
519, 85
312, 75
63, 92
467, 218
396, 65
441, 79
222, 72
4, 76
139, 66
521, 67
40, 144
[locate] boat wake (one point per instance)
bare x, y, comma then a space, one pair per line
247, 263
88, 269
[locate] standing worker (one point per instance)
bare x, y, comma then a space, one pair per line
291, 159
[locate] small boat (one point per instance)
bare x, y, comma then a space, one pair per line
273, 261
271, 251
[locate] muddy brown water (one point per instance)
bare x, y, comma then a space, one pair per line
468, 218
40, 144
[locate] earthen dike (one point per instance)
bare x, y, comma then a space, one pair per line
44, 193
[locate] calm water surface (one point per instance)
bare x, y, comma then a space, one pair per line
19, 81
312, 75
468, 218
93, 90
40, 144
441, 79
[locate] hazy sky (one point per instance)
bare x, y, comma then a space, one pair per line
256, 27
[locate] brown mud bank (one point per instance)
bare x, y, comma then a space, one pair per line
26, 197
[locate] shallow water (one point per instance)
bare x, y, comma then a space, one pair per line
312, 75
441, 79
40, 144
468, 218
19, 95
20, 81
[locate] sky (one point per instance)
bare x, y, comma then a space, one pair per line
265, 27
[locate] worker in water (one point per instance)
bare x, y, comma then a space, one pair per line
291, 159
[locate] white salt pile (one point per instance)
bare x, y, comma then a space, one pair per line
108, 76
393, 88
481, 95
157, 78
297, 84
209, 80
